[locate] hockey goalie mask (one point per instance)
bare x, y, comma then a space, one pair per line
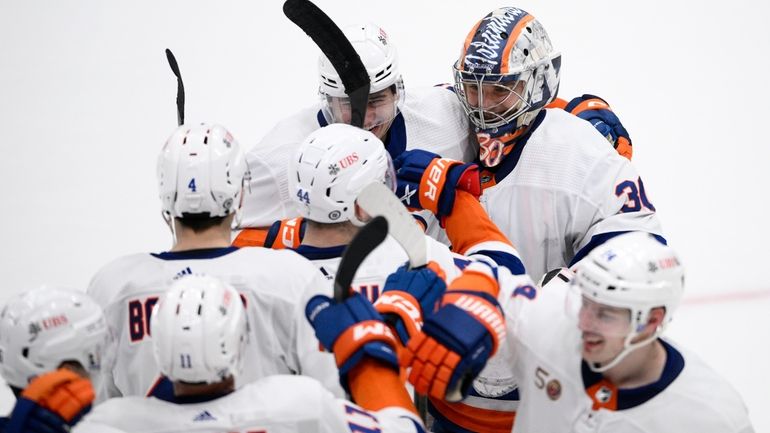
330, 169
386, 94
617, 286
44, 327
507, 72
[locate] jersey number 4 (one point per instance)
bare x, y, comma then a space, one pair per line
139, 313
635, 196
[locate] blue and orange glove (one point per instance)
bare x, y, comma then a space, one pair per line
456, 342
409, 296
598, 112
52, 403
353, 330
427, 181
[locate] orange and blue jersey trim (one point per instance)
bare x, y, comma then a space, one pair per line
605, 395
464, 418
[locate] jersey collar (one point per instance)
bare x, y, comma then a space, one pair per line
493, 175
200, 254
607, 396
320, 253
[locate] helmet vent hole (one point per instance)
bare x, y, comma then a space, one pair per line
328, 192
504, 35
200, 309
25, 352
525, 51
611, 288
206, 140
529, 29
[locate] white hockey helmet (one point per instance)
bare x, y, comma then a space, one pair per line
380, 59
509, 55
44, 327
201, 171
633, 271
199, 330
331, 167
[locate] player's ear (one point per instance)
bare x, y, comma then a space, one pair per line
655, 319
361, 214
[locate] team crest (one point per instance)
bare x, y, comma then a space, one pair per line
553, 389
603, 394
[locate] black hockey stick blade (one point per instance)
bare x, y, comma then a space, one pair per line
179, 86
337, 48
365, 241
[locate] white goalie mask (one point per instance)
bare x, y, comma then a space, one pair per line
330, 169
44, 327
507, 71
636, 272
199, 330
380, 59
201, 171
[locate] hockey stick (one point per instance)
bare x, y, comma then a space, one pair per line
179, 86
337, 48
364, 242
378, 200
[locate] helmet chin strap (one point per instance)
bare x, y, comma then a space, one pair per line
628, 347
170, 223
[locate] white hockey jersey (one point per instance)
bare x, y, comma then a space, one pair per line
431, 119
277, 404
273, 285
559, 394
562, 191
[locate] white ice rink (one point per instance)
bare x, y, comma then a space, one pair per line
87, 99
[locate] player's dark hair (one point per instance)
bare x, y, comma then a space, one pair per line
328, 226
199, 222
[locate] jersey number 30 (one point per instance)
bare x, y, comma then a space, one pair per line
635, 196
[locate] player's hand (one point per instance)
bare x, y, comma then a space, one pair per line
596, 110
52, 403
409, 296
427, 181
353, 330
456, 342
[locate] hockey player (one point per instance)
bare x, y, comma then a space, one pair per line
201, 173
550, 182
51, 343
327, 174
604, 366
200, 334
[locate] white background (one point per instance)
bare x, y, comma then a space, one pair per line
87, 99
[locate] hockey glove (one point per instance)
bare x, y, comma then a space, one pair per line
596, 111
352, 330
427, 181
52, 403
410, 296
456, 342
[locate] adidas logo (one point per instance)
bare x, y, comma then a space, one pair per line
204, 416
183, 272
